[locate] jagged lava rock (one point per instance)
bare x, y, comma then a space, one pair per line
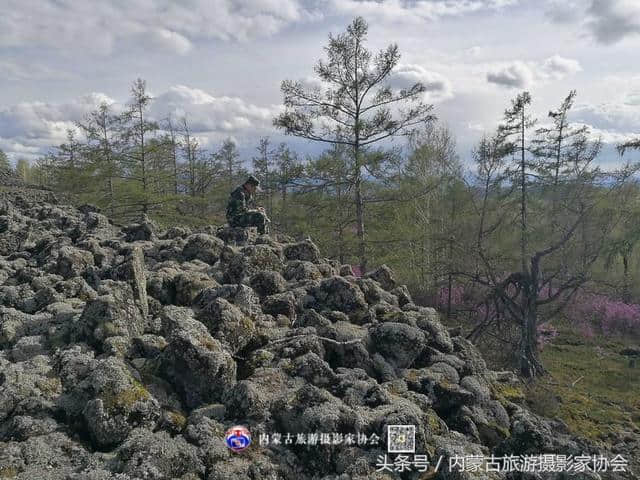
126, 353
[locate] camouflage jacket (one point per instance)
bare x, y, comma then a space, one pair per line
240, 201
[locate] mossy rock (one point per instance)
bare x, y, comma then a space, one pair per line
8, 472
127, 398
435, 423
507, 392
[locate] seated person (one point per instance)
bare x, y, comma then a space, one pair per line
241, 209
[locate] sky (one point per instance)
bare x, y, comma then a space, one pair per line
220, 62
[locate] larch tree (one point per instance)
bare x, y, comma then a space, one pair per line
513, 133
431, 165
23, 169
263, 168
4, 162
71, 164
355, 106
174, 145
190, 148
138, 132
101, 128
585, 197
228, 161
288, 169
329, 191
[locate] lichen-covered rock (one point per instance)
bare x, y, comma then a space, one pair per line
312, 409
143, 230
251, 260
133, 271
110, 315
176, 232
428, 320
197, 364
72, 261
228, 323
280, 304
336, 293
28, 347
157, 455
268, 283
398, 343
111, 403
305, 250
384, 276
237, 235
97, 383
188, 286
203, 247
301, 270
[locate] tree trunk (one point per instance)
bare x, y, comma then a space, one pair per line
360, 215
626, 289
530, 363
283, 208
340, 226
111, 196
523, 200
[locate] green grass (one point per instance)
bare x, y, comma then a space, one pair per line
590, 386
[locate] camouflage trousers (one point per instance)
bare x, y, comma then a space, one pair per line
251, 219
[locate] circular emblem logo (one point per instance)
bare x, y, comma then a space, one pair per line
237, 438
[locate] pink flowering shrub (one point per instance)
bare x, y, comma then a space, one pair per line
592, 314
601, 314
457, 297
357, 271
546, 333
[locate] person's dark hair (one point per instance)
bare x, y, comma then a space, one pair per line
252, 181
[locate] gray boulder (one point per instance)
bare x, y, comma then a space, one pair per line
113, 314
195, 363
268, 283
72, 262
157, 456
203, 247
228, 323
398, 343
305, 250
384, 276
133, 271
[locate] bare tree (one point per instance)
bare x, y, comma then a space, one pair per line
584, 194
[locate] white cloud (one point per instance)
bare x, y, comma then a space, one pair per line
40, 120
168, 40
21, 71
565, 11
415, 11
514, 75
100, 27
438, 86
34, 127
612, 20
613, 117
607, 21
520, 74
558, 67
207, 113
